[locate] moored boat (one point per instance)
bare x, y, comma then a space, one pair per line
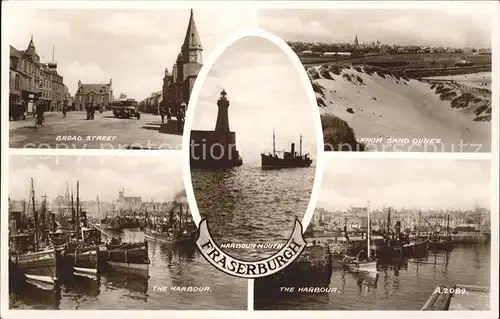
178, 228
162, 234
359, 262
83, 261
416, 248
126, 256
42, 266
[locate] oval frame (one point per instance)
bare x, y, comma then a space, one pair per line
193, 100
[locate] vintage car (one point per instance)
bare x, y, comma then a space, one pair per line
126, 109
17, 111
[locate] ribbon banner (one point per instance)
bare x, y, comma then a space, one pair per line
250, 269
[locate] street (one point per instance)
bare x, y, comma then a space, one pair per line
104, 132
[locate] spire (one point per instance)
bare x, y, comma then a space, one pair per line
192, 39
356, 41
31, 46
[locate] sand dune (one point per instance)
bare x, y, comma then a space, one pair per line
384, 106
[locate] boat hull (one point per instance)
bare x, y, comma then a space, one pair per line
83, 261
125, 256
165, 237
360, 266
43, 267
271, 162
417, 249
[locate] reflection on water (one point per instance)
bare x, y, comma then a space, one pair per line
250, 205
171, 266
404, 285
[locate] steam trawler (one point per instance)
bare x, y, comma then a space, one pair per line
287, 160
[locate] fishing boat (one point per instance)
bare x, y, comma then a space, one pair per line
437, 242
81, 256
40, 267
358, 263
42, 264
125, 256
286, 159
179, 228
416, 248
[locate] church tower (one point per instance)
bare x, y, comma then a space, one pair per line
192, 48
191, 56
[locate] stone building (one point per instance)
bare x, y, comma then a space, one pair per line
45, 85
178, 83
32, 81
58, 91
25, 76
127, 202
96, 95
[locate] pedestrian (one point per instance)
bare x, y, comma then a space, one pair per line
40, 109
162, 114
169, 115
64, 110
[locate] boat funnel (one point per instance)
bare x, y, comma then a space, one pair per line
292, 149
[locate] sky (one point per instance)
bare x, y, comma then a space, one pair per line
266, 91
454, 27
132, 47
405, 183
97, 175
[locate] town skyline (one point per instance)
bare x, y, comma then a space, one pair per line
103, 176
409, 184
451, 27
131, 47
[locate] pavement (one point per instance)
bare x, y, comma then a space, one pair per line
104, 132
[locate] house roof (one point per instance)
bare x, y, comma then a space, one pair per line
15, 52
94, 88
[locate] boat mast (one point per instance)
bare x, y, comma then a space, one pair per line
35, 215
388, 221
448, 225
369, 230
43, 212
98, 207
300, 146
77, 207
274, 144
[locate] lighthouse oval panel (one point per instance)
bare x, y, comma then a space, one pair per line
251, 145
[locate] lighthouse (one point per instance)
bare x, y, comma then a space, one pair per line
222, 124
215, 149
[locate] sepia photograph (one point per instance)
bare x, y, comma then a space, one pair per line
96, 233
107, 78
386, 81
392, 234
253, 146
